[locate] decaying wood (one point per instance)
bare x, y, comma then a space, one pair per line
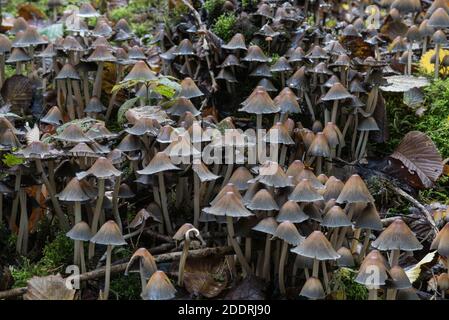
98, 273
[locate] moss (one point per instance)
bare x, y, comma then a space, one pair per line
126, 287
214, 9
346, 287
224, 26
10, 70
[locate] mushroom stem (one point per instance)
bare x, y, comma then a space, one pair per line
316, 266
1, 208
283, 155
182, 261
325, 277
115, 201
394, 258
63, 223
354, 134
409, 59
96, 92
22, 239
365, 244
259, 128
372, 294
70, 104
97, 213
319, 165
235, 245
281, 267
2, 69
334, 112
363, 147
210, 187
343, 134
78, 98
196, 200
424, 45
228, 174
168, 226
309, 105
266, 258
248, 246
76, 251
437, 60
15, 202
83, 260
107, 276
343, 231
86, 92
355, 239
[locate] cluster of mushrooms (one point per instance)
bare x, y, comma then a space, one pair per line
293, 220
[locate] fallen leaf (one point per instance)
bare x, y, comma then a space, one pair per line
48, 288
414, 271
205, 276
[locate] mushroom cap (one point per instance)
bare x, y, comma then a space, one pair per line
159, 163
299, 79
140, 72
304, 192
262, 70
439, 37
94, 106
5, 44
240, 178
72, 133
287, 101
406, 6
295, 168
67, 72
101, 54
82, 150
346, 258
373, 262
98, 131
53, 117
397, 236
278, 134
230, 61
180, 234
335, 218
333, 188
77, 191
229, 205
130, 143
319, 146
203, 172
136, 53
287, 231
259, 102
271, 174
146, 263
30, 37
255, 54
336, 92
413, 34
181, 106
443, 281
109, 234
296, 55
38, 150
143, 126
185, 48
18, 55
267, 225
159, 287
102, 169
291, 211
80, 231
189, 89
441, 241
399, 278
316, 246
407, 294
439, 19
369, 218
368, 124
87, 11
237, 42
313, 289
125, 192
281, 65
263, 201
355, 191
71, 44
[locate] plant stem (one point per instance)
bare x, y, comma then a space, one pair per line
282, 261
266, 258
182, 261
96, 217
235, 245
196, 200
168, 226
107, 278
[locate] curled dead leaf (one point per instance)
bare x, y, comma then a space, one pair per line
206, 277
48, 288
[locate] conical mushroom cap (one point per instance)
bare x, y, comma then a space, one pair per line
189, 89
304, 192
369, 219
271, 174
30, 37
136, 53
181, 106
316, 246
337, 92
240, 178
313, 289
98, 131
229, 205
130, 143
5, 44
72, 133
101, 54
399, 278
355, 191
142, 261
255, 54
203, 172
87, 11
102, 169
441, 241
109, 234
397, 236
77, 190
80, 231
278, 134
94, 106
406, 6
320, 146
180, 235
160, 162
237, 42
286, 231
333, 188
295, 168
68, 72
336, 218
291, 211
259, 102
281, 65
140, 72
439, 19
143, 126
287, 101
263, 201
373, 261
53, 117
346, 259
71, 44
159, 287
38, 150
267, 225
18, 55
185, 48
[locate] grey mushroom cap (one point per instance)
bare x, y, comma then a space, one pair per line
288, 232
397, 236
316, 246
313, 289
109, 234
80, 231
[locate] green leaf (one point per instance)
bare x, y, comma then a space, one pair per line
125, 107
11, 160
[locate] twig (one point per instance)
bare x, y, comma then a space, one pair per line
98, 273
421, 207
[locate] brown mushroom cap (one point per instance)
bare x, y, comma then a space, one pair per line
441, 241
259, 102
346, 258
304, 192
237, 42
102, 169
67, 72
240, 178
373, 262
291, 211
316, 246
142, 261
267, 225
77, 190
53, 117
399, 278
189, 89
333, 188
72, 133
439, 19
159, 287
355, 191
263, 201
255, 54
336, 92
229, 205
288, 232
109, 234
397, 236
320, 146
87, 11
159, 163
369, 218
335, 218
140, 72
203, 172
181, 106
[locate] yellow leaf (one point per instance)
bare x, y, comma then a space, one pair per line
414, 272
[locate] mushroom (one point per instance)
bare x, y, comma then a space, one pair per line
100, 55
336, 93
287, 232
184, 234
267, 226
147, 265
109, 235
5, 47
373, 263
202, 174
159, 287
79, 233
